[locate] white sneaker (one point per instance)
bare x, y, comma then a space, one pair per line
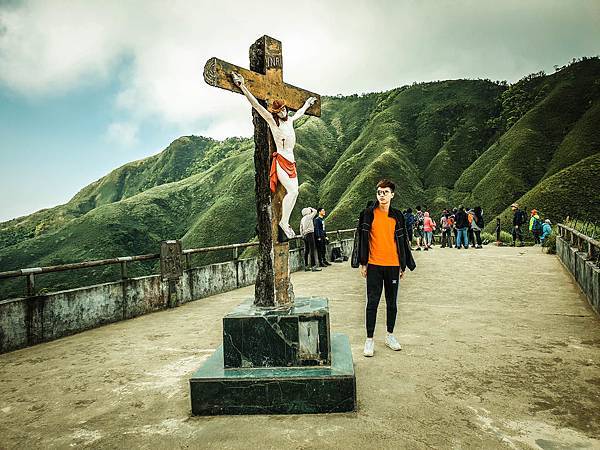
369, 347
392, 342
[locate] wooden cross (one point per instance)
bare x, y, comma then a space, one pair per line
265, 81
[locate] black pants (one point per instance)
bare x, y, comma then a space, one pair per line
446, 238
536, 237
470, 235
409, 231
517, 234
379, 277
477, 237
321, 249
309, 249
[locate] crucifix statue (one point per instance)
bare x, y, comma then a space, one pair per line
276, 179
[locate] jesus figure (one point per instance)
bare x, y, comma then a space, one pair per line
283, 166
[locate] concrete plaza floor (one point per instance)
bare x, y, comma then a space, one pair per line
500, 350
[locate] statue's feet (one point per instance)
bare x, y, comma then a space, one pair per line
285, 233
281, 236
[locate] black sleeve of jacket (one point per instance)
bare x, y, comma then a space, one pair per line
363, 240
408, 258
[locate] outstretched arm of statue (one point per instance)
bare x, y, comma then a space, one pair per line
307, 104
239, 82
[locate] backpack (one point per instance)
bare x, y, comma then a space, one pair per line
420, 220
479, 221
537, 225
450, 221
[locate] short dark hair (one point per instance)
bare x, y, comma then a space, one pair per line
385, 183
419, 208
319, 209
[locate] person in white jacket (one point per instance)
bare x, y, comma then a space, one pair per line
307, 231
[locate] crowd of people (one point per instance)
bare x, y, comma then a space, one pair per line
459, 227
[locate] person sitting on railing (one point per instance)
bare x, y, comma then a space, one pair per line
546, 230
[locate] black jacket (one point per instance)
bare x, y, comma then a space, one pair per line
400, 236
461, 219
519, 217
319, 228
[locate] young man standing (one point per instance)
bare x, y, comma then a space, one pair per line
384, 253
321, 237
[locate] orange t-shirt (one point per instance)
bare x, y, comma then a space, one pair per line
382, 246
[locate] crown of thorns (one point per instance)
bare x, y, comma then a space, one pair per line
277, 106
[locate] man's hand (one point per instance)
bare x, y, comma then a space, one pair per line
401, 274
363, 271
238, 80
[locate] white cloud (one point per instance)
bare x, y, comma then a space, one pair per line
122, 134
52, 46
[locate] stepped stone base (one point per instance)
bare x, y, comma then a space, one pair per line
276, 390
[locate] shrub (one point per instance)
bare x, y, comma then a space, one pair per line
550, 244
505, 237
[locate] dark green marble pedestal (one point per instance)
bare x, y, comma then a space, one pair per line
298, 390
277, 337
277, 361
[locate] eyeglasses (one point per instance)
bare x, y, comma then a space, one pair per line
382, 193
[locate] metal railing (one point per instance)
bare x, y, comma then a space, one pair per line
581, 241
31, 272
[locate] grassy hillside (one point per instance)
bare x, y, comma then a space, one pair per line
444, 143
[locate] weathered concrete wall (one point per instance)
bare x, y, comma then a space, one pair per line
585, 272
31, 320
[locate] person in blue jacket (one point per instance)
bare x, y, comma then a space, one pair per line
546, 230
409, 219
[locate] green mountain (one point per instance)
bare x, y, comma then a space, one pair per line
474, 142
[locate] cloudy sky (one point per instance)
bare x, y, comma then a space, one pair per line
88, 85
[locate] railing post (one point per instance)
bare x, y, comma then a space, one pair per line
124, 270
497, 232
188, 263
30, 284
171, 267
235, 263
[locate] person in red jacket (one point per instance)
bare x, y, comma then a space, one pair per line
428, 228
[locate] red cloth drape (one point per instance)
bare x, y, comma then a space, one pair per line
288, 166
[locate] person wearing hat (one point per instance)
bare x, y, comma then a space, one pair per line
546, 230
283, 164
535, 226
518, 221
